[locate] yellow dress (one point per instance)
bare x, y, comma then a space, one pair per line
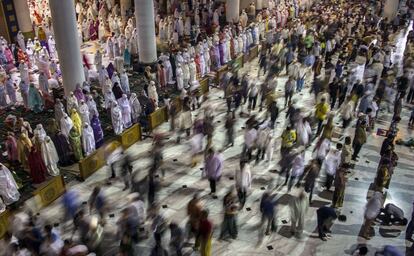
77, 122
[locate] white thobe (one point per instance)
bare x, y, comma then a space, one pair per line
126, 111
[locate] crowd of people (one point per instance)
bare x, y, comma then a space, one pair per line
342, 51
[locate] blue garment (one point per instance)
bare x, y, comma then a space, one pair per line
35, 100
310, 60
267, 207
127, 57
390, 250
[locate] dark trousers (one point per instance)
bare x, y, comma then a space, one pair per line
357, 147
229, 226
320, 122
288, 98
309, 189
260, 154
329, 180
345, 123
333, 101
252, 103
230, 136
410, 96
241, 193
410, 229
212, 185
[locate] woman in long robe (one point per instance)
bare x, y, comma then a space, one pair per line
50, 156
37, 166
59, 110
93, 110
75, 142
8, 188
97, 131
84, 112
116, 115
11, 147
136, 108
66, 125
23, 148
126, 111
35, 101
88, 139
63, 149
77, 121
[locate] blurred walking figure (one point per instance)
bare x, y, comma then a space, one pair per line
325, 217
205, 234
98, 202
213, 168
298, 208
229, 225
243, 182
267, 208
194, 209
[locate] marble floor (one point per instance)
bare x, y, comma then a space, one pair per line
181, 182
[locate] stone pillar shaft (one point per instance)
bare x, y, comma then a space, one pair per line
67, 43
144, 14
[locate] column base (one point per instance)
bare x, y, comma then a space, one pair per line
30, 34
140, 67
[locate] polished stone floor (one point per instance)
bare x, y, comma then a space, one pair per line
181, 182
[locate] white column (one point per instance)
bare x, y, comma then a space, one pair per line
232, 10
67, 43
390, 9
259, 5
245, 3
144, 14
265, 3
23, 16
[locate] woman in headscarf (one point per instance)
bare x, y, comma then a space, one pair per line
37, 166
8, 188
59, 110
88, 139
126, 110
24, 144
75, 142
11, 147
77, 121
135, 107
35, 100
116, 116
50, 156
93, 110
97, 131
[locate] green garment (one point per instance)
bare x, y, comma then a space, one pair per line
75, 142
35, 100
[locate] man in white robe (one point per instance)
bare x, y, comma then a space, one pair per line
179, 77
8, 188
116, 115
50, 156
88, 139
20, 41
